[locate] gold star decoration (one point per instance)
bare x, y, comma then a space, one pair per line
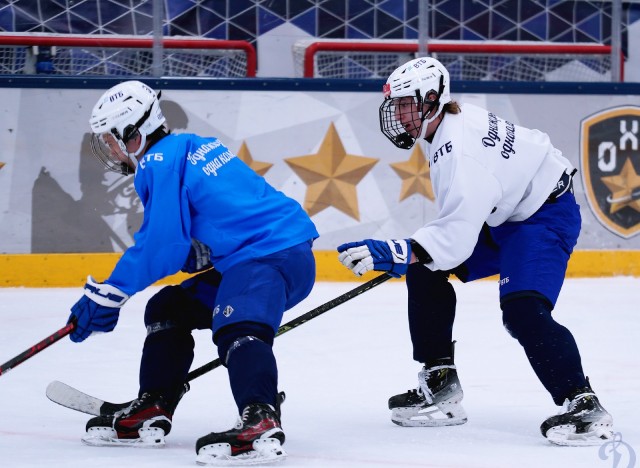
622, 187
331, 176
415, 174
244, 154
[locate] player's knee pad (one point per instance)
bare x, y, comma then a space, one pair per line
526, 314
232, 337
163, 309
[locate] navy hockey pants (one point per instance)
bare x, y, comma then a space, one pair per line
248, 300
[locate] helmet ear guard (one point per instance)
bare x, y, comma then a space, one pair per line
131, 130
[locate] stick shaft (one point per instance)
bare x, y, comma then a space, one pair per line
303, 318
35, 349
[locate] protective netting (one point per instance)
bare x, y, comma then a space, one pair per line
109, 61
532, 65
521, 67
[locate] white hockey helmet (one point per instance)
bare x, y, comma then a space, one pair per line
416, 79
124, 111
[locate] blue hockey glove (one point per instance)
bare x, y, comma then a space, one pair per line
392, 256
97, 310
199, 258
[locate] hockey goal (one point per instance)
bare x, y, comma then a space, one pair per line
108, 55
465, 60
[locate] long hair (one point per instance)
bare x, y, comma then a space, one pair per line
451, 107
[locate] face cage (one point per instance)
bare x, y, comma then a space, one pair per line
393, 129
102, 152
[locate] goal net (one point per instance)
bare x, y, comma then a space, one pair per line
465, 60
108, 55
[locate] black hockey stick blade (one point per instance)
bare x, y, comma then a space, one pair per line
36, 348
296, 322
72, 398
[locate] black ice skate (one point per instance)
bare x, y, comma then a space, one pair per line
436, 402
144, 423
257, 438
582, 421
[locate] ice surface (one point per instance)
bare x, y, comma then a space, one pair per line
338, 371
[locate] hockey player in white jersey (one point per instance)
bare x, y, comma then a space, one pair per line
260, 243
505, 206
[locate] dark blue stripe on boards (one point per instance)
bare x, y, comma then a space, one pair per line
312, 84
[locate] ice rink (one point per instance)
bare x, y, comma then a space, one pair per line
338, 371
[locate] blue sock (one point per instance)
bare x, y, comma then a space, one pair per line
166, 358
253, 373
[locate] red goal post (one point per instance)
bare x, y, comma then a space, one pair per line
108, 55
465, 60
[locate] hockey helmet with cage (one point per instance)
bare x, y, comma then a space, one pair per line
415, 79
124, 111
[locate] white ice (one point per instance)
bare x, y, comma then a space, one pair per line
338, 371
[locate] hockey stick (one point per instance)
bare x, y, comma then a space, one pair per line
67, 396
296, 322
35, 349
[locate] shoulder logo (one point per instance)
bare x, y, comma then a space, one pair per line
610, 168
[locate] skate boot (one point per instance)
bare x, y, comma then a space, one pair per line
436, 401
257, 438
582, 421
144, 423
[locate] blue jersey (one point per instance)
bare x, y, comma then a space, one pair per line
194, 187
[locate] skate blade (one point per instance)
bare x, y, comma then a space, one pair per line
265, 452
107, 437
567, 436
430, 416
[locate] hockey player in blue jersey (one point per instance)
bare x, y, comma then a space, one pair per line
203, 206
506, 206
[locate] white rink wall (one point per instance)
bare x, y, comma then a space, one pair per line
54, 196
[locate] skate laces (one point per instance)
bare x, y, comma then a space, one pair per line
432, 377
572, 405
135, 404
251, 410
129, 409
245, 414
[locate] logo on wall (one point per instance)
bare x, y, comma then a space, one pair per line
610, 167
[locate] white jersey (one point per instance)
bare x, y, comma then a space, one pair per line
484, 169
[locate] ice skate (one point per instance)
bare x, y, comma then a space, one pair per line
436, 402
256, 439
144, 423
582, 421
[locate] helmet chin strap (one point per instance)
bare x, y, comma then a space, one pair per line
133, 157
422, 134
